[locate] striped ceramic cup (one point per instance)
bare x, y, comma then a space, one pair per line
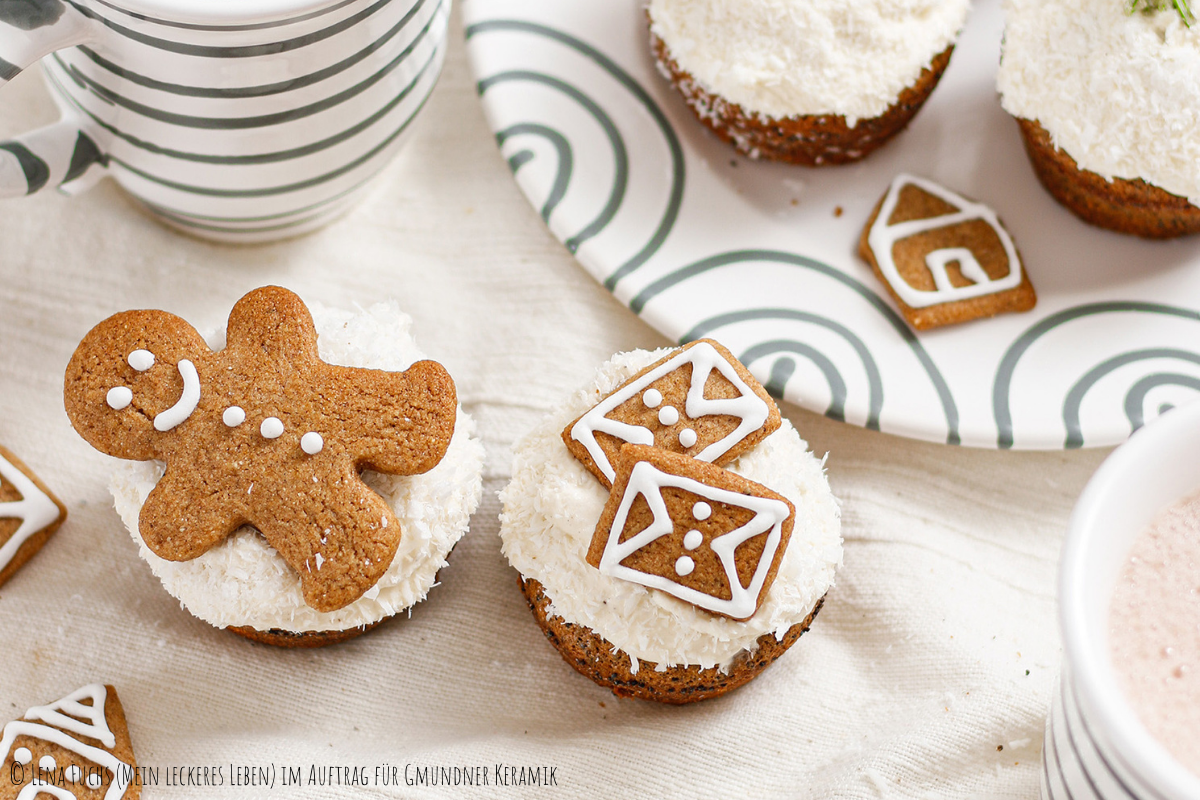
240, 120
1096, 747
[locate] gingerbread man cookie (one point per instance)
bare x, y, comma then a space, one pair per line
263, 433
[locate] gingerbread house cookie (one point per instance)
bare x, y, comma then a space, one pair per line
698, 400
943, 258
29, 514
76, 747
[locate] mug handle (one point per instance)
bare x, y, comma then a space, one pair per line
60, 152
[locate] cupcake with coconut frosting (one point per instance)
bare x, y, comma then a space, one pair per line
244, 585
805, 81
1107, 99
640, 641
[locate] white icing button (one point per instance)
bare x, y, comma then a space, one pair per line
668, 415
271, 428
311, 443
119, 397
233, 416
652, 397
94, 781
687, 437
141, 360
702, 510
693, 539
684, 566
47, 763
22, 756
74, 773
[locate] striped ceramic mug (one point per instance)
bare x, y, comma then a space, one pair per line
1096, 747
240, 120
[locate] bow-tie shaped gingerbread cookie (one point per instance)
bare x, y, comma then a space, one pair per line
263, 433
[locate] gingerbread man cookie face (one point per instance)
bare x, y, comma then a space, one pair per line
261, 433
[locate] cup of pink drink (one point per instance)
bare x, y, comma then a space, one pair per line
1125, 719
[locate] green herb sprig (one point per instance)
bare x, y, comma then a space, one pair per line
1148, 6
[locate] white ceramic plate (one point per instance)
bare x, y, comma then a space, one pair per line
700, 241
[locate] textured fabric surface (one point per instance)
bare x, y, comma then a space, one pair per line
936, 648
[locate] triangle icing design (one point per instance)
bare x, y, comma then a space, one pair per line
69, 714
883, 238
35, 510
648, 481
748, 407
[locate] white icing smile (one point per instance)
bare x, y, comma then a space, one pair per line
188, 401
120, 397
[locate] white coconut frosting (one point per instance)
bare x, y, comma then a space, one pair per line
551, 507
783, 58
1118, 92
244, 582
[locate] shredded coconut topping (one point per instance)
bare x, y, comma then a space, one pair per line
783, 58
244, 582
551, 507
1117, 91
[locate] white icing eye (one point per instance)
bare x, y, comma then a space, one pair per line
652, 397
311, 443
93, 781
693, 539
684, 566
702, 510
233, 416
687, 437
119, 397
141, 360
668, 415
74, 773
47, 763
271, 428
22, 756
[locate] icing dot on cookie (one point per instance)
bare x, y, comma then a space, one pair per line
271, 428
74, 773
687, 437
311, 443
693, 539
119, 397
668, 415
233, 416
141, 360
22, 756
702, 510
47, 763
684, 566
93, 781
652, 397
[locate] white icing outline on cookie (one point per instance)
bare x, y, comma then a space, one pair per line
122, 773
648, 481
883, 237
188, 399
35, 509
704, 358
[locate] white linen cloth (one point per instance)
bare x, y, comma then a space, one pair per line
926, 675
